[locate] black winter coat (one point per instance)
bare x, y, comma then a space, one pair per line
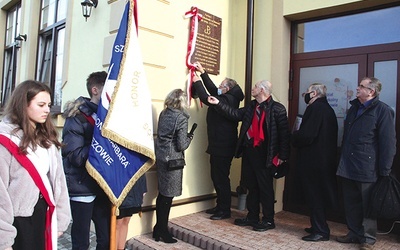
77, 137
316, 141
276, 127
369, 142
222, 132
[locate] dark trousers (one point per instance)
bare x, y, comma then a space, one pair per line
259, 182
30, 230
318, 221
220, 170
82, 213
356, 197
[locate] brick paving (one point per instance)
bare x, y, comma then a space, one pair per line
287, 234
64, 242
203, 233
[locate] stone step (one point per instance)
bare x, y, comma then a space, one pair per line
197, 231
187, 239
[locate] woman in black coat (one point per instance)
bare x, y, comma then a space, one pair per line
316, 141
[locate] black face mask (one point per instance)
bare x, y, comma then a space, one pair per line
307, 98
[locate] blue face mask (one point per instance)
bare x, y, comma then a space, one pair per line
219, 91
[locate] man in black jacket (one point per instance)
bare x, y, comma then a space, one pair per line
368, 149
316, 141
222, 137
88, 201
263, 142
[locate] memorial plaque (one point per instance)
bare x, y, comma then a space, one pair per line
208, 43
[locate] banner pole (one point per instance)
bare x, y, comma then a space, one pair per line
113, 229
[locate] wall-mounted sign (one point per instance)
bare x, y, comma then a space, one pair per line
208, 43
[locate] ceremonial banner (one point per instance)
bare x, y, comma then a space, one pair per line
122, 148
194, 24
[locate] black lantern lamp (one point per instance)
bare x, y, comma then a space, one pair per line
19, 39
87, 7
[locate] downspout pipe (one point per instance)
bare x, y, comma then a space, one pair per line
241, 189
249, 51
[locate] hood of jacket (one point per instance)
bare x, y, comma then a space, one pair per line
236, 92
80, 105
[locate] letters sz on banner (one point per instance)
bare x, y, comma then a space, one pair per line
122, 148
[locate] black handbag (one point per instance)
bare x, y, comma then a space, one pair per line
385, 198
176, 164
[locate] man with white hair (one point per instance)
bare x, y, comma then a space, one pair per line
263, 138
316, 141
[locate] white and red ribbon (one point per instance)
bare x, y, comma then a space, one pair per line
42, 182
195, 18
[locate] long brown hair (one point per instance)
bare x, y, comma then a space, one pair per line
45, 133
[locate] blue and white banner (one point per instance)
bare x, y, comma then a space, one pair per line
122, 149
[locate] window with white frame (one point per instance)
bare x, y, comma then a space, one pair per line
51, 47
11, 47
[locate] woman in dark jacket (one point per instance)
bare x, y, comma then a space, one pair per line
316, 141
172, 140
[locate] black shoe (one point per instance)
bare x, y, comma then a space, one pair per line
220, 215
315, 237
347, 239
309, 230
164, 235
263, 226
212, 210
245, 222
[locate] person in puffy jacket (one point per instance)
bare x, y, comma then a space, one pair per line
88, 201
264, 141
368, 149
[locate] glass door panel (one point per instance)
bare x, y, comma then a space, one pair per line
386, 71
341, 82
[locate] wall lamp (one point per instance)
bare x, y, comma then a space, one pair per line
87, 7
19, 39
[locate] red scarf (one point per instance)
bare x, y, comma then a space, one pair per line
256, 130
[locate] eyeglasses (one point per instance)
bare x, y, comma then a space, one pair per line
364, 87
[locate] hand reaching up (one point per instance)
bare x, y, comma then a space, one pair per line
199, 67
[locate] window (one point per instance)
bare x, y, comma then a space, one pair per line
362, 29
51, 47
10, 53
